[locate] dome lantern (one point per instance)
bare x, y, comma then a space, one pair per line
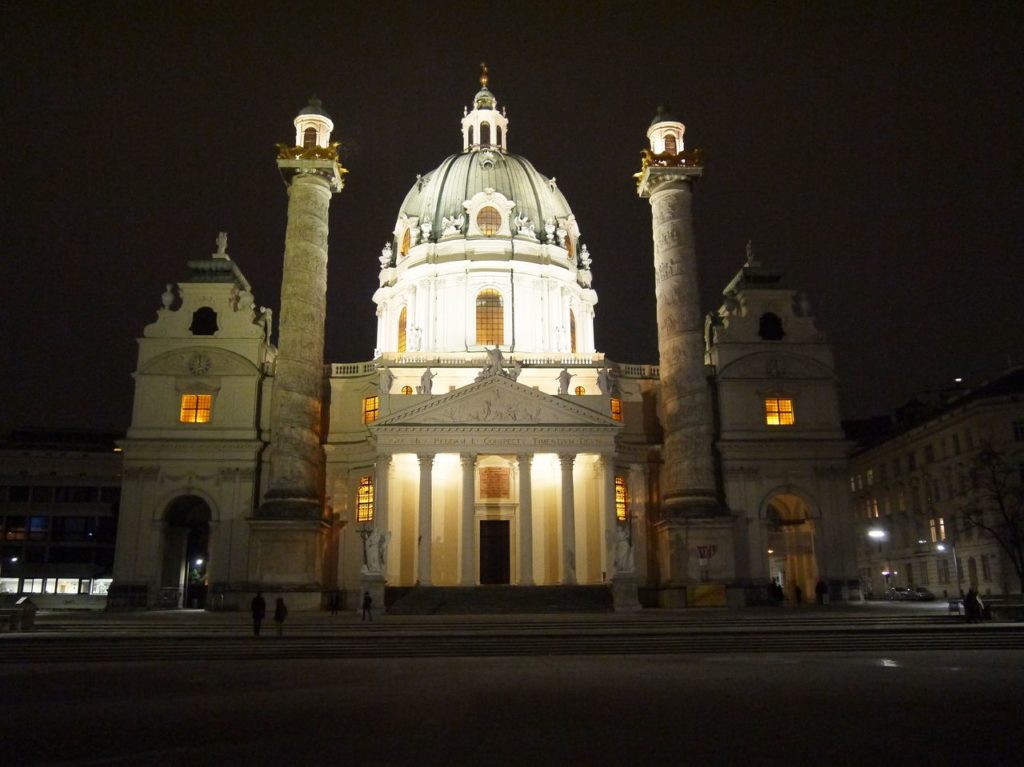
484, 127
666, 133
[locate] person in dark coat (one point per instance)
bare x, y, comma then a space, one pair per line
259, 611
335, 601
820, 591
972, 606
280, 613
367, 606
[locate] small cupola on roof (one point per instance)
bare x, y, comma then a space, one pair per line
313, 126
666, 133
484, 127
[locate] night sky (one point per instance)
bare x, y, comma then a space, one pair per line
872, 151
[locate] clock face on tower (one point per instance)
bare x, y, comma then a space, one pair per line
199, 364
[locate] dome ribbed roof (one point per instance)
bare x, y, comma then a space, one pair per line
441, 192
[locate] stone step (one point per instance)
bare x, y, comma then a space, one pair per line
484, 600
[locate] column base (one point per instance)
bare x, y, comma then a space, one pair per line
289, 508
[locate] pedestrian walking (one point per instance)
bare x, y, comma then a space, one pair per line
335, 601
972, 606
259, 611
367, 606
821, 591
280, 613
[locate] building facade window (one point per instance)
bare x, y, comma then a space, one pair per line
572, 332
621, 500
670, 144
490, 318
403, 251
309, 138
942, 567
196, 408
779, 412
580, 391
364, 500
402, 318
986, 567
488, 220
937, 527
616, 409
406, 389
371, 409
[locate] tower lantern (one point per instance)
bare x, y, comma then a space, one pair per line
313, 126
666, 133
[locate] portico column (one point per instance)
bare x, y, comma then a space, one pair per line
608, 512
380, 493
468, 575
425, 508
525, 519
568, 521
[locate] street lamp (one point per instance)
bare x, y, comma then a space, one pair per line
956, 564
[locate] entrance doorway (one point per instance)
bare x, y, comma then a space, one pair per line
494, 551
792, 560
186, 542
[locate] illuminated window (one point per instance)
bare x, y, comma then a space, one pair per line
406, 390
937, 527
488, 219
572, 332
670, 144
490, 318
778, 412
401, 330
406, 243
621, 504
616, 408
570, 248
371, 409
485, 133
580, 391
364, 500
309, 138
195, 408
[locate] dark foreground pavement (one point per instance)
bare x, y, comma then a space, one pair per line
852, 708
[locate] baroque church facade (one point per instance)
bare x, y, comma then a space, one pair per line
488, 441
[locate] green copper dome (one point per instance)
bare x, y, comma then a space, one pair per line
441, 192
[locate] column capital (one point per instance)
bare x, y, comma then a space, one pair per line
524, 459
468, 459
425, 459
567, 459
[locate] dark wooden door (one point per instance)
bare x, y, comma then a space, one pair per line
494, 551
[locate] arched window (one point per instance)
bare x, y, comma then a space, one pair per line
485, 134
471, 135
406, 243
580, 391
770, 327
490, 318
497, 132
488, 219
204, 322
401, 330
406, 390
309, 138
670, 144
572, 332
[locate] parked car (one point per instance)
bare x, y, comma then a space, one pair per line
909, 594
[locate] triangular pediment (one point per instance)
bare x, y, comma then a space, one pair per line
497, 401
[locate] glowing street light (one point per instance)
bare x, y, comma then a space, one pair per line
876, 533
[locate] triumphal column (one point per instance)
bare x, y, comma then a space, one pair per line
693, 529
289, 524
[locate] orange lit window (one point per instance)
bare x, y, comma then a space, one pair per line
406, 390
401, 330
572, 332
488, 219
616, 408
364, 500
490, 318
309, 138
779, 412
371, 409
406, 244
195, 408
670, 144
580, 391
621, 504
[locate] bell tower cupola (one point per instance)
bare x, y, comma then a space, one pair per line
484, 127
313, 126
